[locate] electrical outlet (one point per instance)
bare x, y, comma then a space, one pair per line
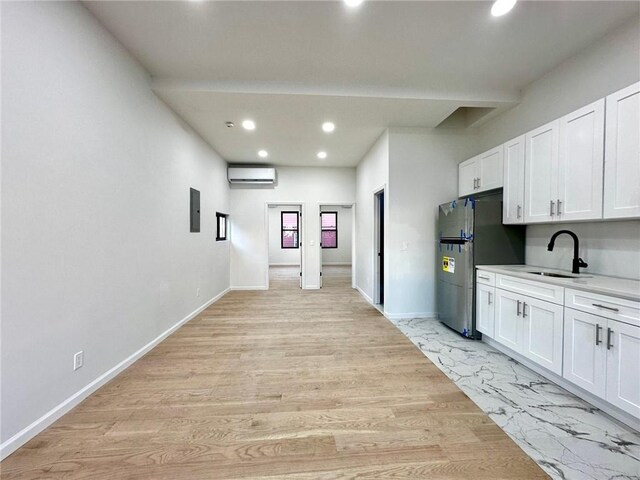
198, 292
78, 360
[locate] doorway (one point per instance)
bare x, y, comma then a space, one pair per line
284, 225
378, 249
336, 245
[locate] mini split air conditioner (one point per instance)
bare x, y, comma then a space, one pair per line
251, 175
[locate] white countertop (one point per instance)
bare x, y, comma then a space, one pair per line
617, 287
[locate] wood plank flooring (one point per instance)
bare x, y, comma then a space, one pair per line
277, 384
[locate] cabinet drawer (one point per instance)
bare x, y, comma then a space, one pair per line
486, 278
541, 291
619, 309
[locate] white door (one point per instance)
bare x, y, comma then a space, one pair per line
623, 366
543, 333
585, 358
541, 173
485, 308
622, 155
508, 319
490, 169
513, 173
581, 164
467, 177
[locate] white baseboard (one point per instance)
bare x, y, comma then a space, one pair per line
403, 316
311, 287
284, 264
244, 287
27, 433
366, 297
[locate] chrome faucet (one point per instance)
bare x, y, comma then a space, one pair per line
577, 261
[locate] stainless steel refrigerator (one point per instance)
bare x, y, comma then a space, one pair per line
471, 233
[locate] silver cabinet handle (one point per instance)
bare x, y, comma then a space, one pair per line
518, 214
478, 182
559, 203
605, 307
524, 309
483, 277
609, 344
518, 311
598, 328
551, 205
489, 300
474, 183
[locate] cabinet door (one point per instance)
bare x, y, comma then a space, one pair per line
585, 351
543, 333
490, 169
581, 164
622, 155
541, 173
467, 175
485, 309
623, 366
508, 319
513, 173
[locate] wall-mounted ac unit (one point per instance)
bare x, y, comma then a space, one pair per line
251, 175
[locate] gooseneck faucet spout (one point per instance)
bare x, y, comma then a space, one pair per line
577, 261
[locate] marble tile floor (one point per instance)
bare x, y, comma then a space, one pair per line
566, 436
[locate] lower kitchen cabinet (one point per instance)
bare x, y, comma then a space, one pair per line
508, 327
542, 328
623, 366
485, 308
585, 354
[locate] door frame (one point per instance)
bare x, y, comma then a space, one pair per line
376, 243
301, 230
353, 238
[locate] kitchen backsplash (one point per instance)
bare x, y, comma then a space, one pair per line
610, 248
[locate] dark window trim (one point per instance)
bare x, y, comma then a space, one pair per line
226, 226
282, 229
329, 229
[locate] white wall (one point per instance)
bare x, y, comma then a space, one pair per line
616, 254
342, 254
372, 175
610, 248
277, 254
423, 172
309, 186
96, 249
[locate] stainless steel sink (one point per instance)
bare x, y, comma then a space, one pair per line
556, 275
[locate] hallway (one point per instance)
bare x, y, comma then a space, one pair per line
283, 383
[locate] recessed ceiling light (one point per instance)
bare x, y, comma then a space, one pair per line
502, 7
328, 127
322, 155
263, 154
353, 3
249, 125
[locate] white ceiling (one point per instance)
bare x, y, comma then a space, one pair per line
292, 65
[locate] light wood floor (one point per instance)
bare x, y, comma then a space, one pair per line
277, 384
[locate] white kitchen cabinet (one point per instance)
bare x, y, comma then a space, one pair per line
541, 173
585, 351
508, 324
513, 174
485, 308
543, 333
622, 154
467, 177
623, 366
581, 164
481, 173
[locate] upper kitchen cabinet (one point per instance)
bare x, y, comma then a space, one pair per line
513, 195
563, 167
580, 164
541, 173
481, 173
622, 155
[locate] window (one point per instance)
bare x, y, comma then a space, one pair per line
221, 221
289, 230
329, 229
